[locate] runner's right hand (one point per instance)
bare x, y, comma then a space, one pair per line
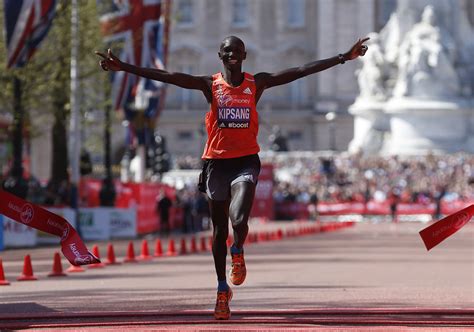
109, 61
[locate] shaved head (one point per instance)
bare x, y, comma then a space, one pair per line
232, 40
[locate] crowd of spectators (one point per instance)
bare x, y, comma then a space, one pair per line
308, 177
300, 177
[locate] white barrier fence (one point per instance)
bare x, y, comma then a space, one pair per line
94, 224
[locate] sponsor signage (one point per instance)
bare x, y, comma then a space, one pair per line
94, 224
123, 223
263, 204
17, 235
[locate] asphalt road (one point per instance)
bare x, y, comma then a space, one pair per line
380, 269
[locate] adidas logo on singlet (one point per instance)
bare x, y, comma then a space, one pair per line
247, 91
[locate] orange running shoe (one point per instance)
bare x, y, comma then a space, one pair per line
222, 310
238, 271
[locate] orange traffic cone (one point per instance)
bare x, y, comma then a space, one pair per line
74, 269
183, 250
27, 274
3, 281
203, 244
111, 255
95, 252
130, 254
193, 245
145, 256
57, 270
171, 248
158, 248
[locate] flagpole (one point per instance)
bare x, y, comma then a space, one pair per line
74, 150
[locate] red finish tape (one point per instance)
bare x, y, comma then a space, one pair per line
36, 217
442, 229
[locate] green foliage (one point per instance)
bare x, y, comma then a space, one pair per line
46, 77
48, 73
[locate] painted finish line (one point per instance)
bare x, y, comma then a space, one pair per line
337, 316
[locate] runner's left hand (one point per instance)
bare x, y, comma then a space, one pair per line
357, 50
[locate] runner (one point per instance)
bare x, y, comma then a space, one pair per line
231, 163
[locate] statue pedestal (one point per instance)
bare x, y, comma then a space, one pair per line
421, 126
370, 126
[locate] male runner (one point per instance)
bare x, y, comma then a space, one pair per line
231, 163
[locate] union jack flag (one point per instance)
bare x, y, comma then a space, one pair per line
27, 22
141, 27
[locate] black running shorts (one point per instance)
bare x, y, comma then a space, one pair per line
218, 175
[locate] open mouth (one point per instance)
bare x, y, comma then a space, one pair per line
232, 61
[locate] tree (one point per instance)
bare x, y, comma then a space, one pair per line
46, 79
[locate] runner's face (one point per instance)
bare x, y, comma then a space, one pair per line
232, 53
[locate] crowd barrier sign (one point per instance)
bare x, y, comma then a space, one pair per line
299, 210
263, 205
123, 223
94, 224
17, 235
140, 196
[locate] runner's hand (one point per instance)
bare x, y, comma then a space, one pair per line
109, 61
357, 50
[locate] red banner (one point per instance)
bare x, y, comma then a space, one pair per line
263, 202
439, 231
141, 196
38, 218
299, 210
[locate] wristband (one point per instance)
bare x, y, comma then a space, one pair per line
341, 59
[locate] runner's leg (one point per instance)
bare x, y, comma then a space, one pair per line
220, 221
242, 195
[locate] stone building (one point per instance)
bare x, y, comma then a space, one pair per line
311, 112
278, 34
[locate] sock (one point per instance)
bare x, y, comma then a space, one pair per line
234, 250
222, 286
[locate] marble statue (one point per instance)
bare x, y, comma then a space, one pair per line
426, 61
371, 76
417, 82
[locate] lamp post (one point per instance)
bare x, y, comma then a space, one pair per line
107, 192
331, 117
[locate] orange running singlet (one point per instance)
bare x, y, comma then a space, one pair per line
232, 122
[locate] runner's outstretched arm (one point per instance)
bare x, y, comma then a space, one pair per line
203, 83
268, 80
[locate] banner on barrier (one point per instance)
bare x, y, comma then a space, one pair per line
299, 210
141, 196
17, 235
263, 205
123, 223
94, 224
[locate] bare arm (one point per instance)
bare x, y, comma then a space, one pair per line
186, 81
268, 80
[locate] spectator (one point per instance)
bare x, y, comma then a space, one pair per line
163, 207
